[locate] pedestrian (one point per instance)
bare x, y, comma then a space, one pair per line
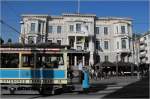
80, 68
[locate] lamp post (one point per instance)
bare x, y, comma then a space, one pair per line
117, 64
137, 56
135, 53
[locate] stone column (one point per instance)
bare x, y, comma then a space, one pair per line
67, 40
83, 60
75, 42
75, 60
42, 28
91, 49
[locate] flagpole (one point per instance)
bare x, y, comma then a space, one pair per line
78, 6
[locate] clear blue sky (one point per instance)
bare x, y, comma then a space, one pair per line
11, 12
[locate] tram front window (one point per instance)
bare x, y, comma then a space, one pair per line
9, 60
50, 61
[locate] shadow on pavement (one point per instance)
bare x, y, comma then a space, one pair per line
139, 89
96, 87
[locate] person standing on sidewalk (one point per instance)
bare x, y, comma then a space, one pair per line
80, 68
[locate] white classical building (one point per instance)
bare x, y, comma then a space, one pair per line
106, 38
145, 48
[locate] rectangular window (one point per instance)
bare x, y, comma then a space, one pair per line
98, 45
105, 30
32, 27
71, 28
117, 45
59, 42
87, 28
122, 29
39, 28
9, 60
105, 44
30, 40
123, 43
50, 29
58, 29
117, 29
78, 27
50, 41
27, 60
106, 58
97, 30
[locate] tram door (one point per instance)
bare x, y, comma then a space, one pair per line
75, 75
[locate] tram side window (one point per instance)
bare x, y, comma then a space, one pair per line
9, 60
50, 61
28, 60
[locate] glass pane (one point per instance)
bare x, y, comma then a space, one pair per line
33, 27
78, 27
9, 60
50, 61
58, 29
50, 29
123, 29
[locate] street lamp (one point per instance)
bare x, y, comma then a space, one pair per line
135, 53
117, 64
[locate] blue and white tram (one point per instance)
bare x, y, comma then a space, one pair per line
33, 66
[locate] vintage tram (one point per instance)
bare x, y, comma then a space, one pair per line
42, 67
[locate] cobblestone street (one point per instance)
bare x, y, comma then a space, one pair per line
121, 87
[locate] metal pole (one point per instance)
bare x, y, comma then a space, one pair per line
137, 42
117, 65
138, 72
78, 6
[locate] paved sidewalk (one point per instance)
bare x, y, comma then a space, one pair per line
138, 89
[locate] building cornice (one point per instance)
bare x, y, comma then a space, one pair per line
78, 15
114, 18
34, 15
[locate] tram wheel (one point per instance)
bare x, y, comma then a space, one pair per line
46, 92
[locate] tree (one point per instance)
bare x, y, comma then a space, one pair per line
136, 36
9, 40
1, 41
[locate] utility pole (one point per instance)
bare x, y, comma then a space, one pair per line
12, 28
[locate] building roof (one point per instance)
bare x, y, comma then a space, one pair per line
34, 15
146, 33
79, 14
114, 18
40, 45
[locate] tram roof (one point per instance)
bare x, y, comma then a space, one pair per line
40, 45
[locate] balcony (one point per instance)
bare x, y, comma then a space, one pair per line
126, 35
143, 60
142, 41
79, 33
143, 54
142, 47
123, 50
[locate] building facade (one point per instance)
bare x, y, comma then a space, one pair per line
106, 38
145, 48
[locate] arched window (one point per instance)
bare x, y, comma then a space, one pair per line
123, 43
